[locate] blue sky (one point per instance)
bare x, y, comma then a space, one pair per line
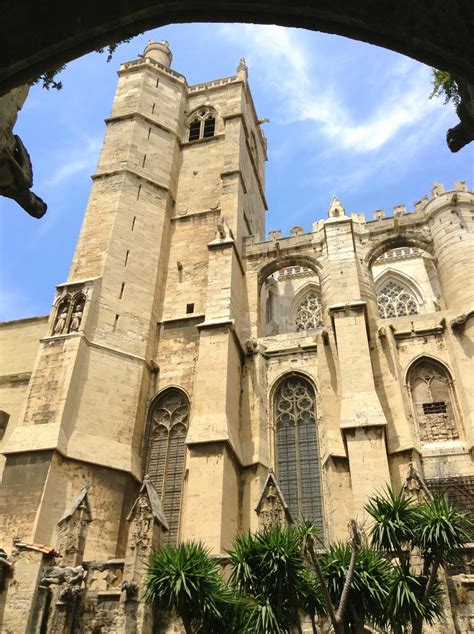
346, 118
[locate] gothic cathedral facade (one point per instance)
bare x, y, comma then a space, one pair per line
195, 380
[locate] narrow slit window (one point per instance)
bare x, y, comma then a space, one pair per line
122, 288
153, 109
133, 222
189, 309
116, 322
144, 161
126, 258
139, 192
157, 82
149, 133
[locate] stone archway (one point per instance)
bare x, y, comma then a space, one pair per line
36, 36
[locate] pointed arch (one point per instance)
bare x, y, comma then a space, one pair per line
398, 295
202, 123
297, 458
306, 308
62, 315
166, 450
433, 399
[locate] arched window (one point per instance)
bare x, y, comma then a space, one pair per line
202, 125
165, 465
433, 401
394, 299
297, 452
309, 312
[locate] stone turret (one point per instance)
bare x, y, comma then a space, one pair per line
159, 52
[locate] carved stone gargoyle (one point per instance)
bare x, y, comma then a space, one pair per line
414, 486
272, 508
16, 172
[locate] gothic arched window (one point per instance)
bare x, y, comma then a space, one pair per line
165, 466
202, 125
309, 312
297, 452
395, 300
433, 401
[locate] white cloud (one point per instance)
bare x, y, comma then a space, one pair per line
79, 159
308, 92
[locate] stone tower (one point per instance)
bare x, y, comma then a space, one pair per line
195, 380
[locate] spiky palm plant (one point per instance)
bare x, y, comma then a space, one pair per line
186, 580
269, 567
431, 531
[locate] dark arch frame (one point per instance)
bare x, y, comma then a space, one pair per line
37, 36
282, 263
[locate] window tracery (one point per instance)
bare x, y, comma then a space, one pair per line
432, 395
166, 454
202, 125
395, 300
297, 453
309, 312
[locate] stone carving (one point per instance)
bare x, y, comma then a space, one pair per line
57, 575
60, 325
76, 317
223, 231
271, 508
70, 310
131, 590
414, 487
251, 346
105, 576
72, 529
459, 322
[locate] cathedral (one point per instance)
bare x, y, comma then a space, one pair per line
196, 378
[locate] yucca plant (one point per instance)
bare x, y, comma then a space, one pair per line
430, 532
269, 567
186, 580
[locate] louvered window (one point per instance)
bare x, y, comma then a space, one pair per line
297, 452
202, 125
169, 425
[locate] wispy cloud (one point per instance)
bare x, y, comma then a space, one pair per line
308, 92
82, 157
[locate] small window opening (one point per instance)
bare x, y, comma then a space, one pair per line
126, 258
153, 109
122, 288
195, 130
144, 161
133, 222
149, 132
435, 408
189, 309
116, 322
139, 192
157, 82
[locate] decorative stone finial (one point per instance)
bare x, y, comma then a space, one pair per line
159, 52
336, 209
242, 69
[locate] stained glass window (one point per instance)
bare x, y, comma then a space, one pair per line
169, 424
297, 453
395, 300
309, 312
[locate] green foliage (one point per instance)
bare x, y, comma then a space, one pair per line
430, 533
269, 568
445, 85
186, 580
394, 518
370, 588
48, 79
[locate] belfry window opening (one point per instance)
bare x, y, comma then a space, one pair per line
202, 126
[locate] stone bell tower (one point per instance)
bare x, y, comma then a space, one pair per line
178, 184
